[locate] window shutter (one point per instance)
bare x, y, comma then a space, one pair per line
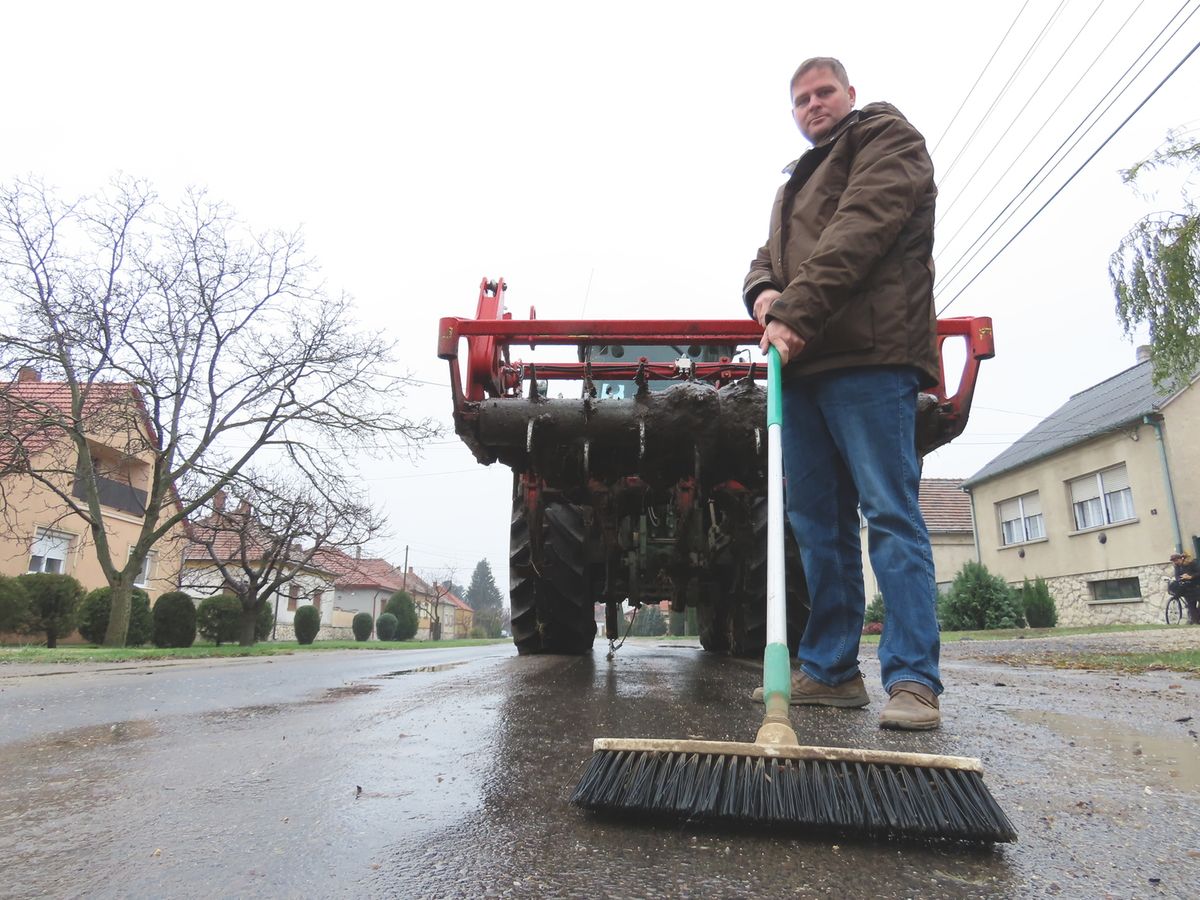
1084, 489
1116, 479
1009, 510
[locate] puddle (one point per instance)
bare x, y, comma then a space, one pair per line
349, 690
444, 667
1176, 758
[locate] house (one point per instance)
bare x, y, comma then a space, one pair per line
947, 513
41, 533
239, 542
360, 584
441, 614
1095, 498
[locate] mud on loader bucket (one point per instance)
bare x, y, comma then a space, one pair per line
647, 488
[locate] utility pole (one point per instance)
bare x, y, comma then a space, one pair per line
405, 567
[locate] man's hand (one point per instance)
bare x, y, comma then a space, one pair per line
762, 303
786, 341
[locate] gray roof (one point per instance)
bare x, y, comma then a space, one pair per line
1108, 406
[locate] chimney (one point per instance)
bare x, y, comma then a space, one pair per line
1143, 353
358, 552
218, 501
28, 373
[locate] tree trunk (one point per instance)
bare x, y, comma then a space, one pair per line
118, 617
246, 626
51, 638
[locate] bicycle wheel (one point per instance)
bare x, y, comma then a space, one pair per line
1174, 611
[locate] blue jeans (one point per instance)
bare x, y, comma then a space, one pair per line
849, 442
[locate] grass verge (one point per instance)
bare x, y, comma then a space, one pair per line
93, 654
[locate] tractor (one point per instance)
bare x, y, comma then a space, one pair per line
648, 483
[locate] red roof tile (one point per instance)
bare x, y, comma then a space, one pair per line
945, 506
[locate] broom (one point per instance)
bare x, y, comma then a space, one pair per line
775, 781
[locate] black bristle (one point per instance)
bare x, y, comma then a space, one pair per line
857, 797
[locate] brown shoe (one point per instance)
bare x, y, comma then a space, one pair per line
911, 707
806, 692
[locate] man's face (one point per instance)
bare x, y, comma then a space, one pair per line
820, 101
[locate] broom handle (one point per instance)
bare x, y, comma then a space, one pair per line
777, 664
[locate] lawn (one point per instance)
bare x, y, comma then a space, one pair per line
89, 653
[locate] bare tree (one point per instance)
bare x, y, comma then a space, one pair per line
268, 541
180, 337
430, 605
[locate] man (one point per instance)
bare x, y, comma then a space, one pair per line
1187, 584
844, 290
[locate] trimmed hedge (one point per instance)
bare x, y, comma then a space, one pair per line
174, 617
402, 607
307, 623
217, 618
14, 604
94, 613
385, 627
53, 600
361, 626
265, 620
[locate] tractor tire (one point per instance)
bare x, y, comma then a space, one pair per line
747, 619
552, 608
712, 622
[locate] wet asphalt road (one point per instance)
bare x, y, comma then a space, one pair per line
240, 778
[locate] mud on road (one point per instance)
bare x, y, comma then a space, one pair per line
243, 779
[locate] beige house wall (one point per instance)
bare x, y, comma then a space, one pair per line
1181, 435
29, 506
950, 551
1071, 559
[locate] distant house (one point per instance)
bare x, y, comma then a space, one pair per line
40, 532
361, 584
947, 513
1096, 497
238, 540
441, 614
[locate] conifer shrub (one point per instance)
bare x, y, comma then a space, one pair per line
217, 618
361, 626
649, 622
1040, 608
874, 611
94, 612
53, 602
174, 617
307, 623
979, 600
385, 627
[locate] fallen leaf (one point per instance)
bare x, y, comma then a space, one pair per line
1184, 719
157, 852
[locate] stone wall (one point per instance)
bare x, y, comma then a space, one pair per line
285, 632
1073, 597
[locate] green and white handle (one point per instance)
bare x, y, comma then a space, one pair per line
777, 668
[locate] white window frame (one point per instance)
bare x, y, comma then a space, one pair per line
48, 540
147, 571
1111, 500
1029, 523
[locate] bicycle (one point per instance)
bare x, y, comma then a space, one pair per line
1176, 608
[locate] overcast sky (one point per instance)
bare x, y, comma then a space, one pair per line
617, 158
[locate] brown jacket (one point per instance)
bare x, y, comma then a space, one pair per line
851, 247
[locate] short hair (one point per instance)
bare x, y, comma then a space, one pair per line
822, 62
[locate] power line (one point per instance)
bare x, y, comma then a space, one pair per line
1015, 118
1004, 90
960, 264
1092, 156
1041, 128
978, 78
